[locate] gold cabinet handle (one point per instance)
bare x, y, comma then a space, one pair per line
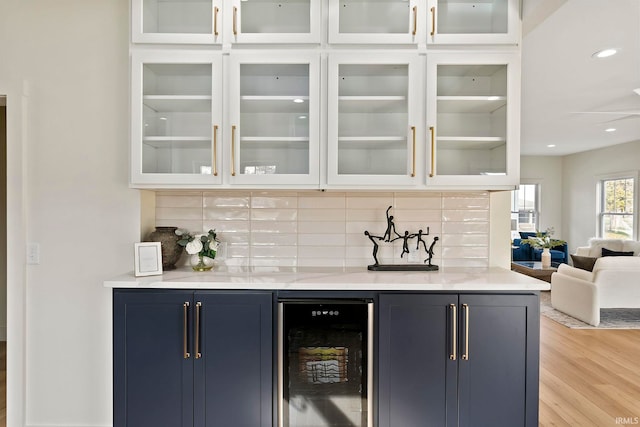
197, 347
465, 310
432, 130
413, 170
454, 331
415, 20
185, 330
215, 150
433, 21
233, 150
235, 21
215, 20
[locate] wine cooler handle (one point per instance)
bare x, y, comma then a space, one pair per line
185, 330
280, 364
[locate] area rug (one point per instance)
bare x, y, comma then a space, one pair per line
610, 318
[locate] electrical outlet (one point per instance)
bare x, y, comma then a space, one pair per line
33, 253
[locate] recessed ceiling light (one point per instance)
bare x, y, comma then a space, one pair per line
610, 130
551, 145
605, 53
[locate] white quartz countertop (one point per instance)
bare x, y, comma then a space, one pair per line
349, 279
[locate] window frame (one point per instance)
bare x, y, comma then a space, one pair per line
536, 208
633, 175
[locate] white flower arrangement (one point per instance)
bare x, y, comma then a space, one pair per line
200, 244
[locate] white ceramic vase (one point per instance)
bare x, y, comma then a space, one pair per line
545, 258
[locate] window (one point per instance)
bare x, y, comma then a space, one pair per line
617, 213
524, 208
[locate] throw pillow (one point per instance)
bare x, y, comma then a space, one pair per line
607, 252
583, 262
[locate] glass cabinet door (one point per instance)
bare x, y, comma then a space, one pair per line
372, 132
176, 21
274, 119
472, 118
376, 21
473, 21
175, 118
274, 21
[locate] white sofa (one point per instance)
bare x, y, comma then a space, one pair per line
613, 283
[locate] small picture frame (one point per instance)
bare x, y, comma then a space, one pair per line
148, 258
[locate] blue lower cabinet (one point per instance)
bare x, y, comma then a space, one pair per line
186, 359
458, 360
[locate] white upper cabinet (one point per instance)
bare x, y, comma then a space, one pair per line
176, 117
176, 21
273, 21
372, 120
376, 21
473, 119
473, 22
274, 118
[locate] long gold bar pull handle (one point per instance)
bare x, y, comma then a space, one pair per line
215, 150
415, 20
233, 150
197, 347
215, 20
235, 21
454, 332
433, 21
185, 330
432, 130
413, 170
465, 355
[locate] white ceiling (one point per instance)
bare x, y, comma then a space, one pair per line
561, 79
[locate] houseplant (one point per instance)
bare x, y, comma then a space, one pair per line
201, 247
543, 240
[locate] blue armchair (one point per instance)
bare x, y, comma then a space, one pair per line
524, 252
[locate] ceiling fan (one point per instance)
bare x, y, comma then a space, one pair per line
627, 114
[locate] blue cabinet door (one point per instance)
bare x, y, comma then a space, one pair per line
234, 367
153, 377
467, 360
499, 364
417, 360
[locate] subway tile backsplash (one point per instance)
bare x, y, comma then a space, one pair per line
326, 229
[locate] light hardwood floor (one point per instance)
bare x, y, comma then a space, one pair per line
587, 377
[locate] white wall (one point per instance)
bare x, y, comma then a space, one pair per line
72, 128
548, 172
580, 174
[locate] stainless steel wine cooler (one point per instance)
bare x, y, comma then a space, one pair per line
325, 363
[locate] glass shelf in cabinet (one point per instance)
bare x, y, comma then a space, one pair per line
178, 103
470, 104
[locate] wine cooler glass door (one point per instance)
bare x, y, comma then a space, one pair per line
325, 363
